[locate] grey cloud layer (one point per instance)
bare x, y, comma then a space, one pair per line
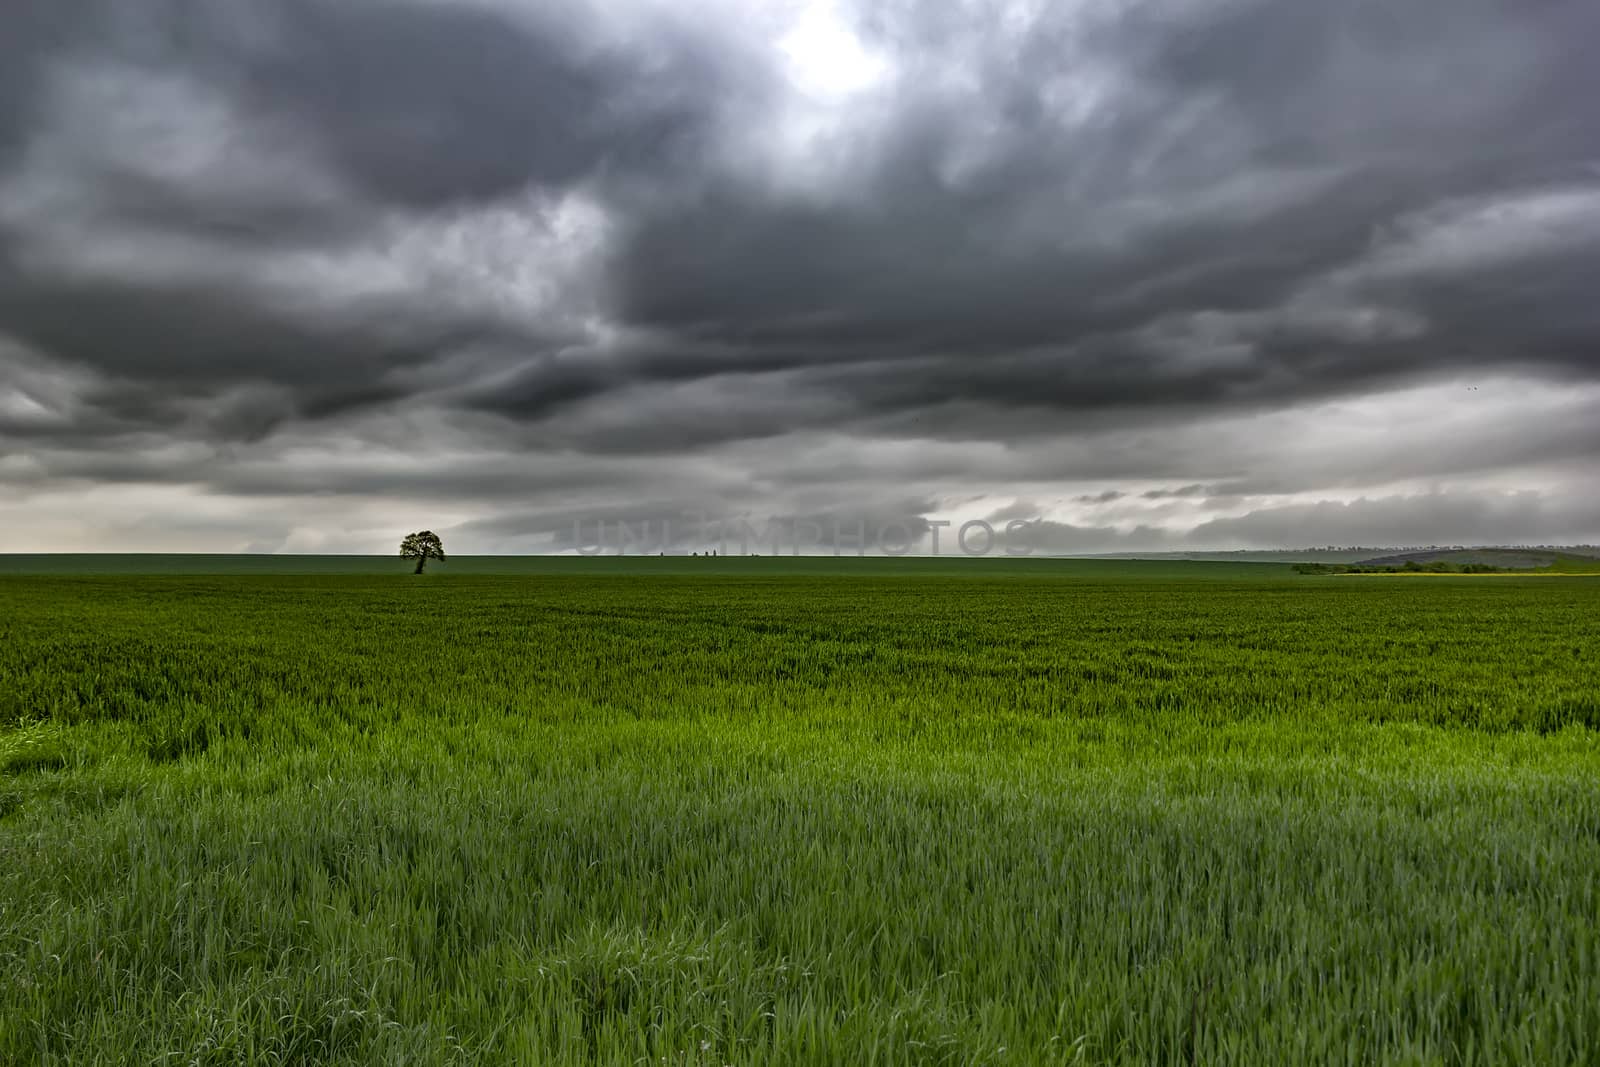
582, 232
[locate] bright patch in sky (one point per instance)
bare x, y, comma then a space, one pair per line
826, 59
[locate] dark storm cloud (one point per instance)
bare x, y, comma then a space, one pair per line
1206, 240
194, 335
1364, 78
393, 106
33, 29
430, 104
597, 231
422, 103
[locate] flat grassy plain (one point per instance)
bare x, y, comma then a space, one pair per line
780, 811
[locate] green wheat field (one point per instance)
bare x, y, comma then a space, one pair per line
775, 811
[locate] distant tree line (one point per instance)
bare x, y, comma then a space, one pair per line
1438, 566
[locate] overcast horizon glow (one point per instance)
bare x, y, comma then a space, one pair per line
305, 275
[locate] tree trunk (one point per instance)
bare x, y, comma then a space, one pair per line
421, 562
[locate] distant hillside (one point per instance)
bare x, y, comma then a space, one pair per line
1507, 558
1529, 561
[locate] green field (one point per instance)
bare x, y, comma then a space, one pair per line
843, 566
735, 811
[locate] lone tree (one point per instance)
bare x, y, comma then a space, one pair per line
422, 547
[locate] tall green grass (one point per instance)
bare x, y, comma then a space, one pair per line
785, 819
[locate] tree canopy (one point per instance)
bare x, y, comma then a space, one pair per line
422, 547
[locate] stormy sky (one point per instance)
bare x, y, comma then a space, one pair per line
305, 275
